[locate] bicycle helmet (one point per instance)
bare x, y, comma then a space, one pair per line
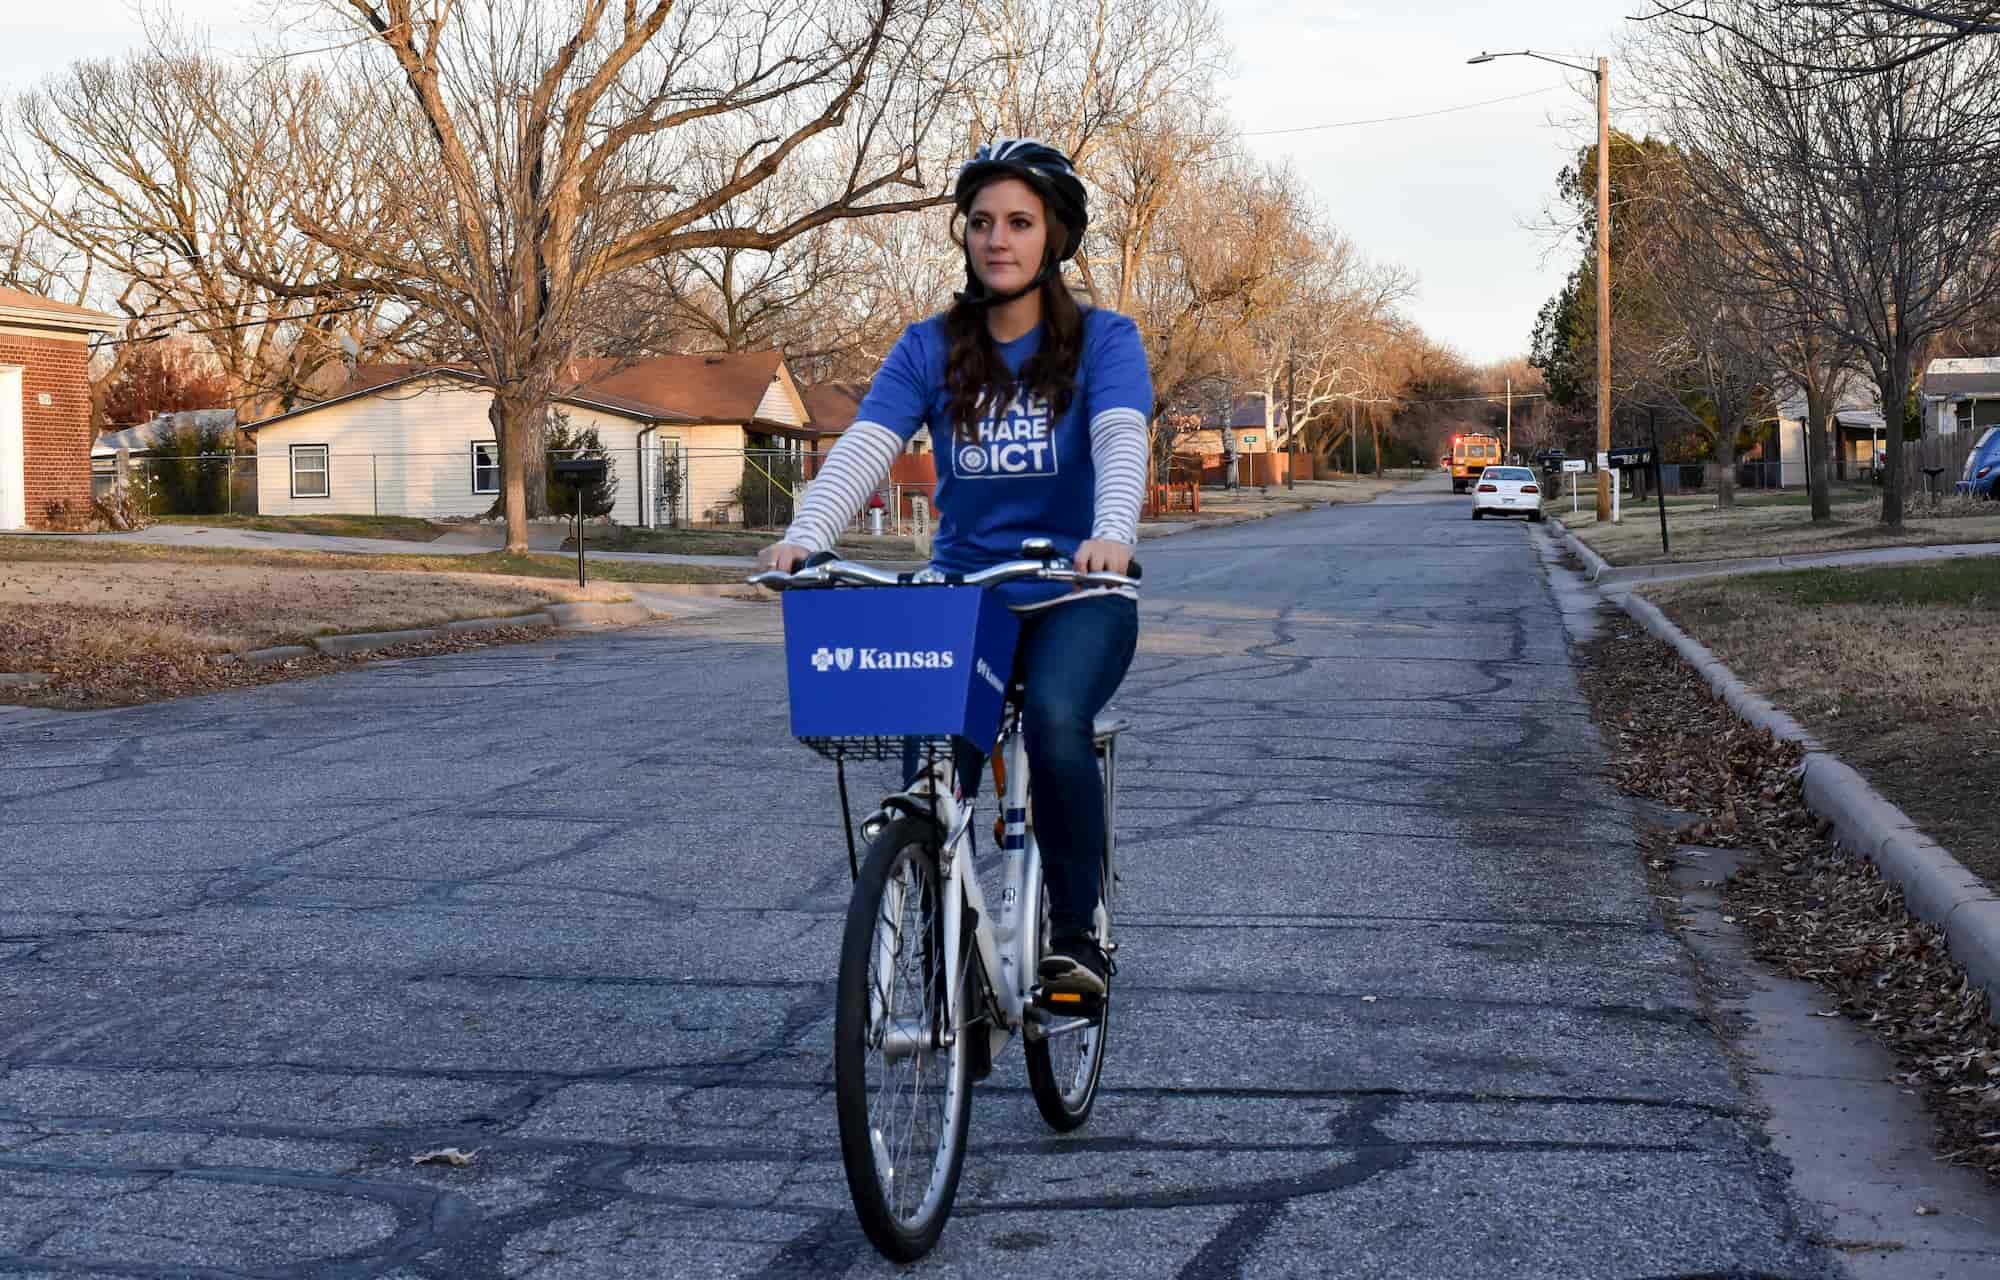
1042, 167
1049, 172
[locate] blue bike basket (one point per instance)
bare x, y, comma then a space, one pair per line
867, 667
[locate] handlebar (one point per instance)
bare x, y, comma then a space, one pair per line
835, 572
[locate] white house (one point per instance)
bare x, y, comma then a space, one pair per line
1857, 432
1961, 395
419, 442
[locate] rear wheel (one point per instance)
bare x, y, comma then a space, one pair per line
903, 1098
1476, 513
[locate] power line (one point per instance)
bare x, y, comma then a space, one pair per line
1419, 115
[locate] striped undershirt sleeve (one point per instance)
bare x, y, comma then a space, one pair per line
1118, 450
855, 467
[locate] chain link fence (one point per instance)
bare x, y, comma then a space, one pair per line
662, 485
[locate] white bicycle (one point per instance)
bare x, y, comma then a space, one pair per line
934, 981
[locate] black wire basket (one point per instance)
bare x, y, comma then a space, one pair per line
844, 749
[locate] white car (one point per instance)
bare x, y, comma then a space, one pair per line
1507, 491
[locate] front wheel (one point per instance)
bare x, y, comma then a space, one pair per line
903, 1095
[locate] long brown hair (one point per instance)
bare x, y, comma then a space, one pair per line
977, 378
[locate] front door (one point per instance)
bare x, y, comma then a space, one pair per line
13, 452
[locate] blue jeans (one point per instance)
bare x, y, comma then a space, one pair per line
1073, 657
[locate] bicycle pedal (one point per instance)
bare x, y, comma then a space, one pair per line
1070, 1004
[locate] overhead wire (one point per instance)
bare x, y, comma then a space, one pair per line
1416, 115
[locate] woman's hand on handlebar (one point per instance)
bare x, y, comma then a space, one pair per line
784, 557
1100, 555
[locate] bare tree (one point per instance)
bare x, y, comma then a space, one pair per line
1867, 205
149, 180
1848, 37
527, 156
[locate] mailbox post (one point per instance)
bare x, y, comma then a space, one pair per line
578, 473
1574, 467
1630, 458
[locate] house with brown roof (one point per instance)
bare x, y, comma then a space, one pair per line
418, 441
45, 434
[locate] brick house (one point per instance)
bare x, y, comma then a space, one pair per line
45, 434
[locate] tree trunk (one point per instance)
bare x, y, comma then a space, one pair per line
1725, 467
1819, 448
509, 414
1892, 432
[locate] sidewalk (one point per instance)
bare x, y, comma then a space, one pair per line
539, 539
1619, 579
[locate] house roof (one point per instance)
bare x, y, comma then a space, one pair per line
146, 436
1857, 395
830, 406
18, 306
715, 386
719, 388
1972, 376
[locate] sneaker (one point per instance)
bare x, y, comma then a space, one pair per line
1076, 964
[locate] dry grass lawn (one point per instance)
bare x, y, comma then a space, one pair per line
114, 623
1713, 533
1896, 669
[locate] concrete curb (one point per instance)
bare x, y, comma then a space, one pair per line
1597, 564
569, 617
1936, 886
573, 617
363, 641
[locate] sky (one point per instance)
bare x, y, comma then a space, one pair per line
1460, 199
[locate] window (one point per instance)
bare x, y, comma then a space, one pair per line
485, 466
309, 471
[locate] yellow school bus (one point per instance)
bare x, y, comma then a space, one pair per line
1471, 455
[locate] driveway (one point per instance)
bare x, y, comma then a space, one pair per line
1393, 999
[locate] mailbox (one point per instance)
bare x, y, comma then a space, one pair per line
1630, 458
580, 471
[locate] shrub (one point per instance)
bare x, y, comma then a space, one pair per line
188, 472
566, 441
769, 481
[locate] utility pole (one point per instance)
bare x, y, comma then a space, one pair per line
1603, 74
1510, 419
1603, 282
1353, 444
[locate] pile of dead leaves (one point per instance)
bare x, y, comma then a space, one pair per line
1811, 909
81, 673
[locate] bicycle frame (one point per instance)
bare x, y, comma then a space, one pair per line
1004, 937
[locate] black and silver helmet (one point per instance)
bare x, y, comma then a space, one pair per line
1042, 167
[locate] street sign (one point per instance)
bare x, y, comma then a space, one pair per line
1574, 465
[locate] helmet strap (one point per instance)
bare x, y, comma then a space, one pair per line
976, 294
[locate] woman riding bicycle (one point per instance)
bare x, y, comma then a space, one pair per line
1037, 407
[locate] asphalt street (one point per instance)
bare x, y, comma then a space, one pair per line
1393, 999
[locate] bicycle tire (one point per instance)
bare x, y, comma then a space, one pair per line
877, 1074
1064, 1070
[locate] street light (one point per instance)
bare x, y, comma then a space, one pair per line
1603, 73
